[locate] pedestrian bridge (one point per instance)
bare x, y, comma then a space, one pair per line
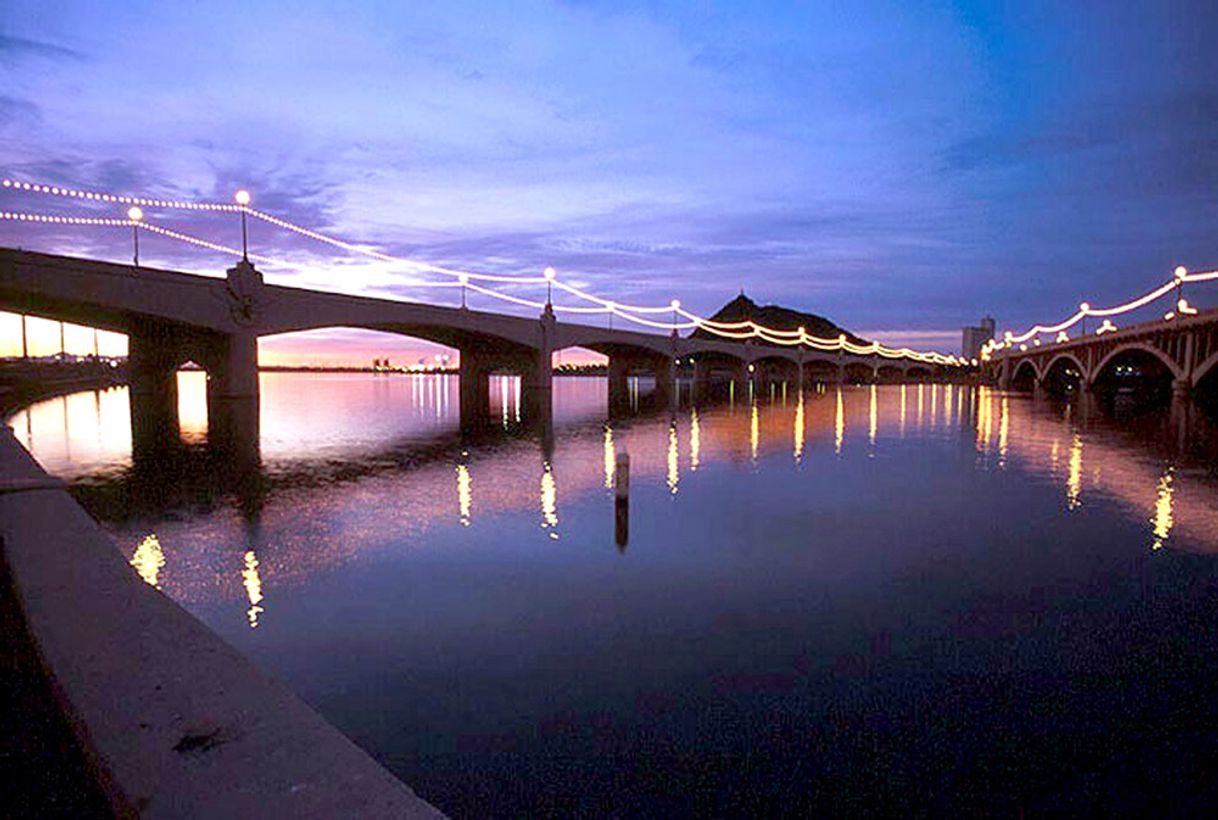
171, 318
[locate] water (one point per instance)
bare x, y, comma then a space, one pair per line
918, 600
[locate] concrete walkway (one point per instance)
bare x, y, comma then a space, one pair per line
172, 721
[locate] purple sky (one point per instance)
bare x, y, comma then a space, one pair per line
893, 169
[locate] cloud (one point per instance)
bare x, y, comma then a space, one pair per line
17, 114
16, 48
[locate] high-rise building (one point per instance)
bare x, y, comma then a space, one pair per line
976, 337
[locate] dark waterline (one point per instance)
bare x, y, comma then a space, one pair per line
917, 600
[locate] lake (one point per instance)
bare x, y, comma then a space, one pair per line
918, 599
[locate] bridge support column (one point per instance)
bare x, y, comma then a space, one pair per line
1004, 374
233, 406
1088, 403
537, 382
666, 382
702, 379
474, 390
619, 385
1182, 413
152, 362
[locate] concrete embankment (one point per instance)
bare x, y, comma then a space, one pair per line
172, 720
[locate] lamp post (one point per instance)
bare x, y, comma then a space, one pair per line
243, 199
549, 274
135, 215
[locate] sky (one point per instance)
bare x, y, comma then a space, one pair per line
900, 168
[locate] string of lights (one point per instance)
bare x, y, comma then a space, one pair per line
1180, 276
742, 330
54, 219
98, 196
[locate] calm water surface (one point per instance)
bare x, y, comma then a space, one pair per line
920, 600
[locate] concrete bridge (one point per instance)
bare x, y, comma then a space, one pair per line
171, 318
1180, 354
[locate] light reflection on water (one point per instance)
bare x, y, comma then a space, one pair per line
482, 577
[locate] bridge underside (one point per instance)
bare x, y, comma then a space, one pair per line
172, 318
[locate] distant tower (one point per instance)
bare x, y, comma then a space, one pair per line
974, 338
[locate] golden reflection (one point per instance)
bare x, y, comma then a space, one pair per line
609, 458
921, 391
1163, 519
192, 404
983, 421
902, 411
148, 559
695, 441
464, 494
799, 429
754, 432
872, 418
253, 588
1003, 429
549, 500
934, 404
674, 472
839, 424
505, 394
947, 406
1054, 457
1074, 479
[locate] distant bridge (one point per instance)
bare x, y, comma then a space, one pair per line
171, 318
1181, 352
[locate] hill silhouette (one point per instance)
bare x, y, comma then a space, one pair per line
743, 308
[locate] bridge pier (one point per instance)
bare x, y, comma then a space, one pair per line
534, 366
152, 372
537, 381
233, 397
623, 364
475, 391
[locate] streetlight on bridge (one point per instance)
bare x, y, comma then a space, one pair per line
243, 199
135, 215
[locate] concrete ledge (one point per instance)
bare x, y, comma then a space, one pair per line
176, 722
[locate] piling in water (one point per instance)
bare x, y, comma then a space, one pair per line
621, 500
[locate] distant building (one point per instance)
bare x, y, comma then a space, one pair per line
975, 337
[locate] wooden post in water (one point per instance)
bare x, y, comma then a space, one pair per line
621, 500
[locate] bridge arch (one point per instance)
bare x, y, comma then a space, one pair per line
1063, 374
1167, 361
1060, 358
1203, 369
1025, 376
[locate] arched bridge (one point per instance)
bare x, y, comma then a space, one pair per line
1181, 352
171, 318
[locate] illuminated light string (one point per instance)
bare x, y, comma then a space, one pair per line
749, 328
97, 196
1180, 276
757, 331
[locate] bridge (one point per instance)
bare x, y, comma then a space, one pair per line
171, 318
1176, 355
